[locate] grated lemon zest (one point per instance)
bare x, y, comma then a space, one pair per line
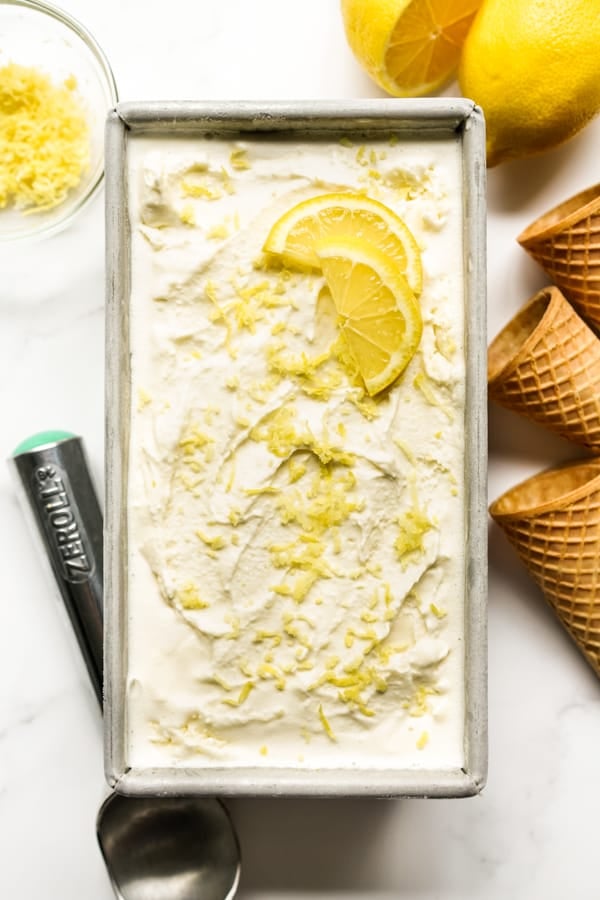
422, 383
419, 706
221, 682
189, 597
296, 471
215, 542
266, 489
235, 625
144, 398
230, 482
44, 139
423, 739
234, 516
266, 671
267, 636
444, 344
238, 159
218, 232
405, 449
242, 696
325, 723
413, 525
200, 190
361, 156
187, 214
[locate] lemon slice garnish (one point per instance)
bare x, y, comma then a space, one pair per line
337, 216
379, 315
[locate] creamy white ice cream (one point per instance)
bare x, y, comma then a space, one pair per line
296, 548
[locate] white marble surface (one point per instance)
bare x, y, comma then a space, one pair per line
533, 834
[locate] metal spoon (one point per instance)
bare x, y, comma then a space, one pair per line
155, 848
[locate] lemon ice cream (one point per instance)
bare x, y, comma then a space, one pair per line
296, 570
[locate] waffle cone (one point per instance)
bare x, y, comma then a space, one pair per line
545, 364
553, 522
566, 243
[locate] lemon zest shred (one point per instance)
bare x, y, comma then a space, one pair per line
444, 343
242, 696
144, 399
229, 484
189, 597
405, 449
413, 525
437, 611
235, 626
296, 471
422, 383
266, 671
238, 159
221, 682
218, 232
215, 542
264, 635
325, 723
419, 706
266, 489
199, 189
361, 156
187, 214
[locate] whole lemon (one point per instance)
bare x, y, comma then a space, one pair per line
534, 68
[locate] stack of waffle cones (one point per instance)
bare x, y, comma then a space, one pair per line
553, 522
545, 364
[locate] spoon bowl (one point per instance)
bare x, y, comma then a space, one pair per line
176, 847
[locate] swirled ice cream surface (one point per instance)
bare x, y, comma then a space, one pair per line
296, 570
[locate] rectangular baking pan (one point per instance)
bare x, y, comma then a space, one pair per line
407, 119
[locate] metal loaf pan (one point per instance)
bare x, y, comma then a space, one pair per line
407, 119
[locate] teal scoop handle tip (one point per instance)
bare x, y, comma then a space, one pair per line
58, 497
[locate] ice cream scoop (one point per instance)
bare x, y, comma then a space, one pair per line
174, 848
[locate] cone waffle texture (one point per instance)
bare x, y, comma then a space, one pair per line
566, 243
545, 364
553, 521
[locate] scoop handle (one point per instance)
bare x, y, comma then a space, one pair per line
58, 497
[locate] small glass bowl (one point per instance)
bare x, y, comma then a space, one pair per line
40, 36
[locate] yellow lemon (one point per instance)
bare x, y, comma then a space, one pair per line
534, 68
337, 215
409, 47
379, 315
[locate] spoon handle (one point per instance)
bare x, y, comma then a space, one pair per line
58, 497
